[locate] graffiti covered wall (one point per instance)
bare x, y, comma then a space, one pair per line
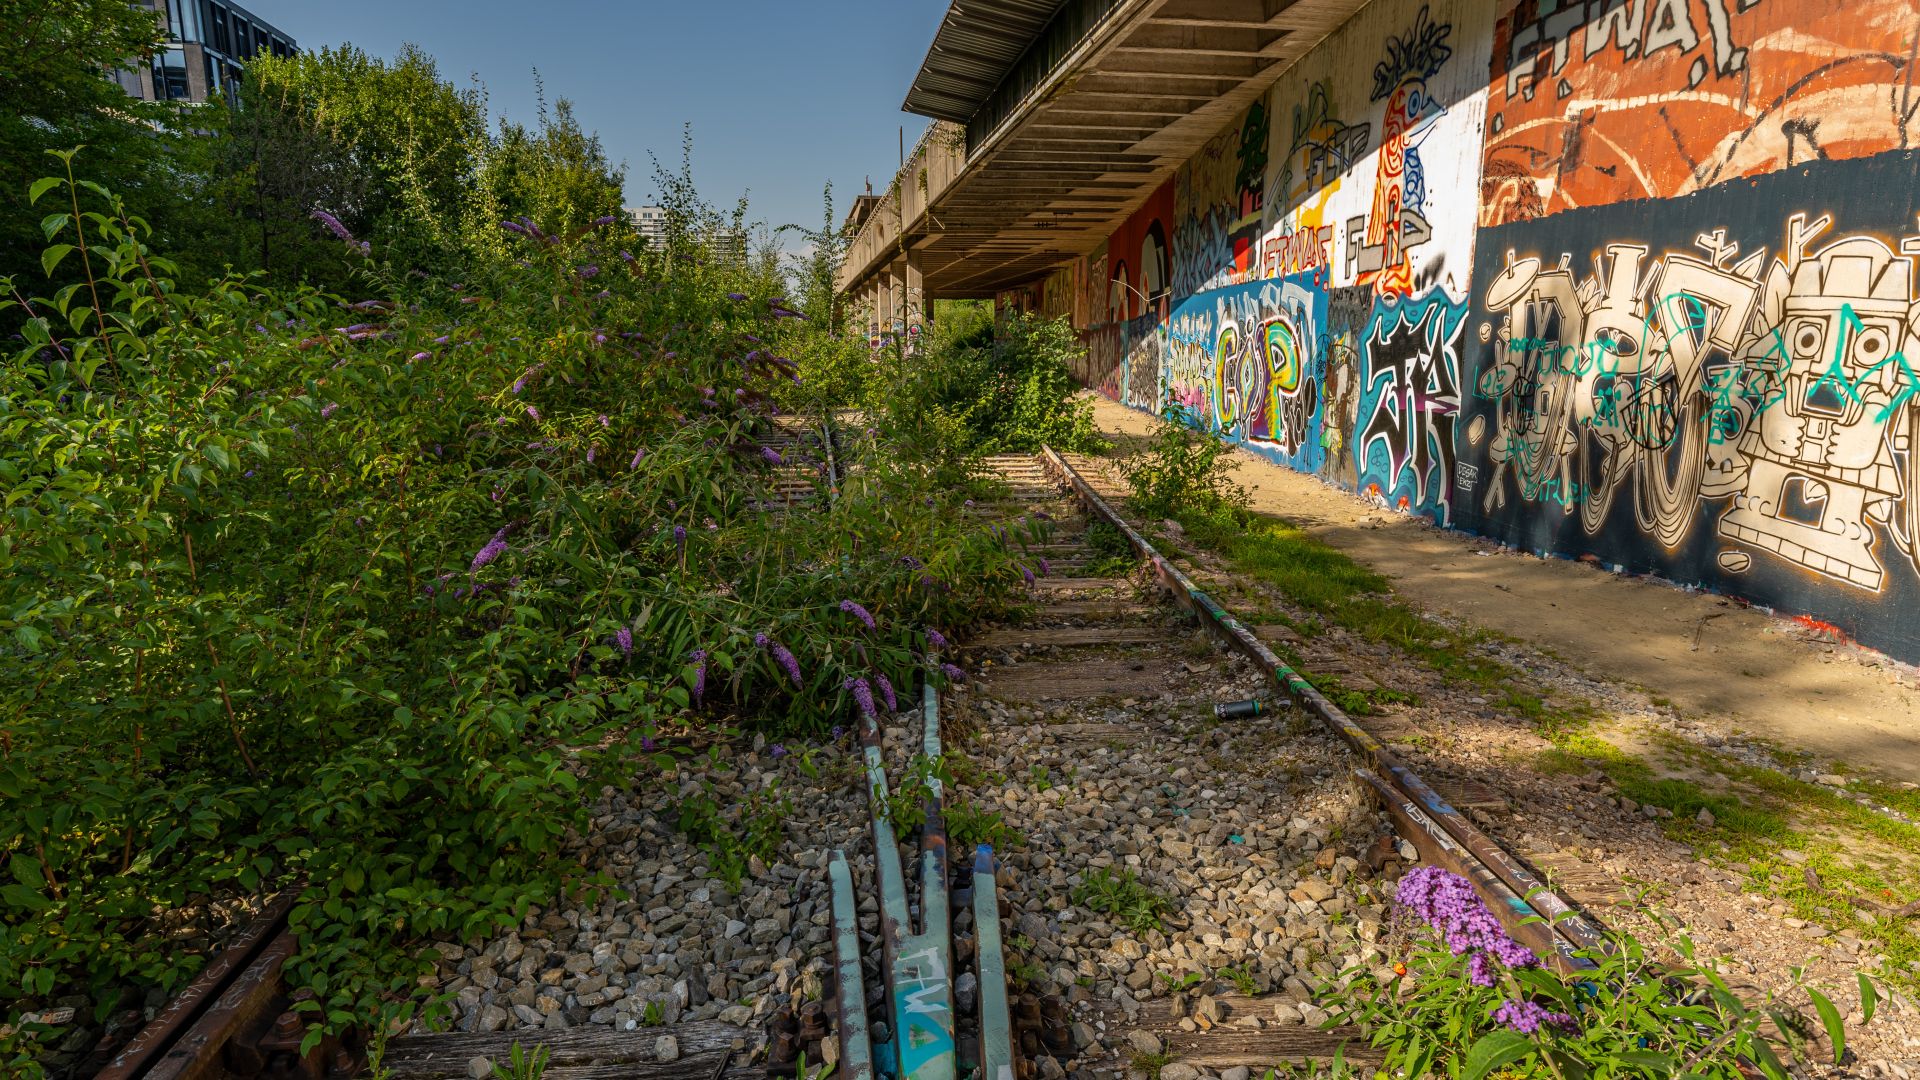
1631, 279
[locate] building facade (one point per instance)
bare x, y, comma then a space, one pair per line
1636, 283
208, 44
651, 223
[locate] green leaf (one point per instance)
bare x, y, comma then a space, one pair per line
1830, 1016
41, 187
1495, 1050
51, 257
53, 223
27, 871
1869, 997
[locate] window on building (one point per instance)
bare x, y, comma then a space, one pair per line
170, 75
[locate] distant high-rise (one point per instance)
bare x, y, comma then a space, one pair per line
651, 223
208, 43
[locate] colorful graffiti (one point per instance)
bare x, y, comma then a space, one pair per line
1738, 410
1245, 363
1598, 101
1378, 241
1219, 201
1403, 442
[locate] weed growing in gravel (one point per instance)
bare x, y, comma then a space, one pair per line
753, 831
969, 826
522, 1064
653, 1014
1123, 896
1113, 553
1242, 979
1186, 981
906, 804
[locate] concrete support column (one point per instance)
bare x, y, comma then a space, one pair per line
914, 310
896, 318
882, 305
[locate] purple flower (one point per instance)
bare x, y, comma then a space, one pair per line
332, 224
773, 456
886, 693
329, 409
441, 340
954, 673
490, 551
423, 356
857, 612
519, 384
591, 451
533, 412
1046, 568
680, 535
777, 750
1026, 574
1480, 970
837, 731
604, 422
603, 219
1447, 902
637, 455
862, 694
623, 638
781, 656
646, 743
699, 658
936, 639
1526, 1017
736, 296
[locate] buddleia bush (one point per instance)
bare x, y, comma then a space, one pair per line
372, 592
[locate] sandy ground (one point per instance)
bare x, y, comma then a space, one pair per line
1760, 674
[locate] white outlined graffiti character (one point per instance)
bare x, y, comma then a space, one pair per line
1821, 454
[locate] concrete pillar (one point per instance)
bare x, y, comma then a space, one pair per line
896, 300
913, 311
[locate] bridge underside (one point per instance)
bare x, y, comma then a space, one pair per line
1138, 94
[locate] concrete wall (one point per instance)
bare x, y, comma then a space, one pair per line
1625, 278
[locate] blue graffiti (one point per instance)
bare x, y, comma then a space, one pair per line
1403, 445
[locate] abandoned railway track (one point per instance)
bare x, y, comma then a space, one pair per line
1129, 861
1108, 906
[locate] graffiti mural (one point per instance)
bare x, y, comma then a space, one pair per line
1738, 409
1244, 362
1381, 161
1378, 241
1403, 435
1597, 101
1219, 195
1140, 259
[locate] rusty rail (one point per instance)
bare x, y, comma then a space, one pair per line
1525, 904
236, 1018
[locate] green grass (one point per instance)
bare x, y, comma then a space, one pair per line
1762, 812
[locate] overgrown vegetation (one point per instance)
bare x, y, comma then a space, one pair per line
1469, 1002
369, 585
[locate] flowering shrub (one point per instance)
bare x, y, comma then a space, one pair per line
1468, 1001
372, 593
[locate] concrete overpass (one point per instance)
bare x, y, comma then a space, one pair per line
1053, 120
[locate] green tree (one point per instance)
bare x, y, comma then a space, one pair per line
55, 94
421, 141
555, 174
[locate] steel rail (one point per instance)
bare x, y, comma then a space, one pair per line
856, 1034
917, 967
1571, 932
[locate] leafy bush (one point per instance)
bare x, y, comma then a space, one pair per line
1183, 473
369, 594
968, 392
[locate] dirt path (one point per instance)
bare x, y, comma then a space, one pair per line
1759, 674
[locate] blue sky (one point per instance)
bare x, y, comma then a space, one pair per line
782, 96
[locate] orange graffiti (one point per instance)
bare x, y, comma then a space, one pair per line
1594, 102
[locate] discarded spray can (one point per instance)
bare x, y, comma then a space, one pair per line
1235, 710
